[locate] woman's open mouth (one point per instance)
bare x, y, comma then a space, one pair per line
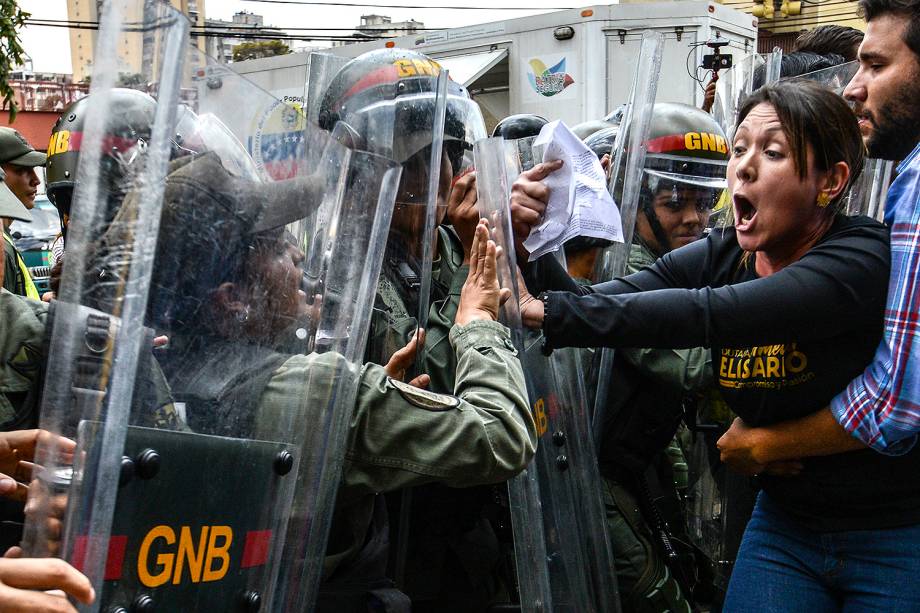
745, 213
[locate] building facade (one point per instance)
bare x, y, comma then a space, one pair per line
135, 53
245, 27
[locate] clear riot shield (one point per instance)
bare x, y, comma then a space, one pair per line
869, 191
734, 86
562, 551
719, 501
229, 297
98, 319
834, 78
330, 209
625, 184
323, 68
414, 109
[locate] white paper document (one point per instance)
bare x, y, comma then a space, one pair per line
579, 203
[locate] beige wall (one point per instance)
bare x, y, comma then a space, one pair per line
130, 48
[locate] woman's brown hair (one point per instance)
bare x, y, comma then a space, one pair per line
812, 115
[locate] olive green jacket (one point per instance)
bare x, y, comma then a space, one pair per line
678, 370
392, 326
23, 350
400, 437
22, 332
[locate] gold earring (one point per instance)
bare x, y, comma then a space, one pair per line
824, 199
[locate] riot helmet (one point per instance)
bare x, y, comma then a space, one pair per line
523, 125
602, 141
384, 102
616, 115
396, 87
127, 135
686, 161
586, 128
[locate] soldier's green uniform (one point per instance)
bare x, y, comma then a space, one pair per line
657, 381
452, 552
483, 433
399, 436
24, 352
20, 359
392, 325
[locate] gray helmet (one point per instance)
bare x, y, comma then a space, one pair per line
602, 141
687, 153
587, 128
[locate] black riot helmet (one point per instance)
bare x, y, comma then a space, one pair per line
524, 125
127, 133
383, 102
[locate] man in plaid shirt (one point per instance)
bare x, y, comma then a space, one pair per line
881, 407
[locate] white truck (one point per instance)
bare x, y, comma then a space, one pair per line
574, 65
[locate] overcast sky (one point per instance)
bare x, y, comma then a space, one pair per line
50, 48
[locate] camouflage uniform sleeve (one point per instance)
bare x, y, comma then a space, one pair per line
22, 331
681, 370
400, 436
440, 358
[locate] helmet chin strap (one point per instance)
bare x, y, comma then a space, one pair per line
664, 243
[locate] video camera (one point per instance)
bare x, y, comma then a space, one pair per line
717, 61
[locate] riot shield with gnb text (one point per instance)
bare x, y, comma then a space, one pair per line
203, 383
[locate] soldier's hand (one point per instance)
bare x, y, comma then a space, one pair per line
462, 213
23, 585
403, 359
481, 295
528, 202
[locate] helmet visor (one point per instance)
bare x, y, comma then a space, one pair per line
702, 173
400, 128
675, 195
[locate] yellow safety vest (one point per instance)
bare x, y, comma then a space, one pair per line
31, 292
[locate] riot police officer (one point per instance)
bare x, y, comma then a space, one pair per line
398, 434
642, 465
433, 527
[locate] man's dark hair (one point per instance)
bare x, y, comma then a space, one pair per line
906, 8
842, 40
798, 63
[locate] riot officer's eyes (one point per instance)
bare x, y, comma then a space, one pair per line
703, 199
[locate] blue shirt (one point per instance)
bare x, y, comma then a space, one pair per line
881, 407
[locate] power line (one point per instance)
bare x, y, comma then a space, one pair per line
242, 35
416, 6
222, 27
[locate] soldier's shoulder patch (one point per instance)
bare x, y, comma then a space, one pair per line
424, 399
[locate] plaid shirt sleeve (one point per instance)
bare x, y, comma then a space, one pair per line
881, 407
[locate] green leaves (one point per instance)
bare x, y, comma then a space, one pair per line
12, 18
